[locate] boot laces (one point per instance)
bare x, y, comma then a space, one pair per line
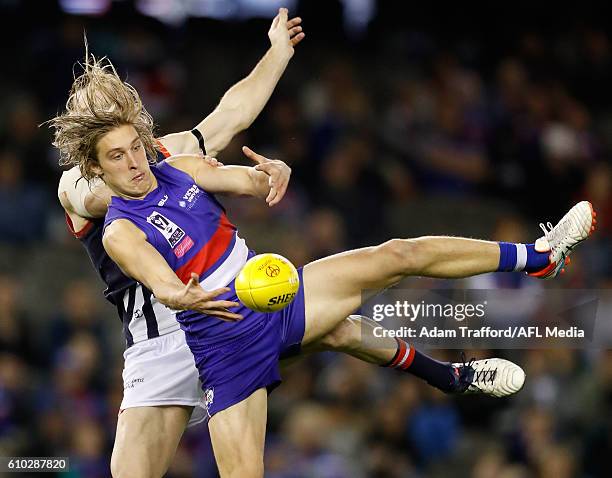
468, 374
555, 234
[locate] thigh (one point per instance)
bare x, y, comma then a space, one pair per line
162, 372
238, 435
146, 440
334, 286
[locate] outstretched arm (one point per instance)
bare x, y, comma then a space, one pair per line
83, 200
128, 247
243, 102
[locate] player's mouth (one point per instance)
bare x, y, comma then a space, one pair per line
138, 178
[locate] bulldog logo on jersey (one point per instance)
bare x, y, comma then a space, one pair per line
209, 396
173, 233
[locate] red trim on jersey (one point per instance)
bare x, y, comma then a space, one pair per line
210, 253
78, 234
162, 149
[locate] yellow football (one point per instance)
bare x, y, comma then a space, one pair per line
267, 283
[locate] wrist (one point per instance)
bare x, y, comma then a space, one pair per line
168, 296
283, 52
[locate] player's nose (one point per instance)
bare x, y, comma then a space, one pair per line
132, 161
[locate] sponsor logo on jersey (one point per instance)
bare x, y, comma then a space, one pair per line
191, 196
163, 200
173, 233
183, 247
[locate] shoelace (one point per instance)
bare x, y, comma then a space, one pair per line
478, 376
554, 234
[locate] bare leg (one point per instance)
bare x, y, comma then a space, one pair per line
351, 335
355, 336
238, 434
146, 441
333, 286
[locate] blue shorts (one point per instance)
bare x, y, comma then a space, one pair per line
236, 365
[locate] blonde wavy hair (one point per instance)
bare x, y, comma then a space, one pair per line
99, 101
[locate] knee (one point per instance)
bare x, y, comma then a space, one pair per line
345, 336
404, 256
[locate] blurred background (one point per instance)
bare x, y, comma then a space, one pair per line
398, 120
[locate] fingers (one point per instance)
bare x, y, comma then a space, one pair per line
249, 153
211, 294
297, 39
278, 188
268, 167
221, 304
279, 194
223, 315
271, 194
194, 280
296, 34
294, 31
282, 15
294, 22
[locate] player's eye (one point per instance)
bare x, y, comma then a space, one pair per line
137, 147
117, 157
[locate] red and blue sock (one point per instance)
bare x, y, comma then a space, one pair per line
408, 359
521, 257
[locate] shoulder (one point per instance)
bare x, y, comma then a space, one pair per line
122, 230
187, 163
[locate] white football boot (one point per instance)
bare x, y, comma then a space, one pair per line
560, 240
494, 377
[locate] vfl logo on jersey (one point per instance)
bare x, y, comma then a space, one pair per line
190, 197
169, 230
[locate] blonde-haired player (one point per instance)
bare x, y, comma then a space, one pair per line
162, 391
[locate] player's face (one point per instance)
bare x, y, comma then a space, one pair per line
123, 163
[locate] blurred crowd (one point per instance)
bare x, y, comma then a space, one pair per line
400, 132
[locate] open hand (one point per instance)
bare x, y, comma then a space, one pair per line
193, 297
285, 33
278, 174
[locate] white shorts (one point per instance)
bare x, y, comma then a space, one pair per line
162, 371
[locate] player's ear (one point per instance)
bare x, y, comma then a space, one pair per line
95, 169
